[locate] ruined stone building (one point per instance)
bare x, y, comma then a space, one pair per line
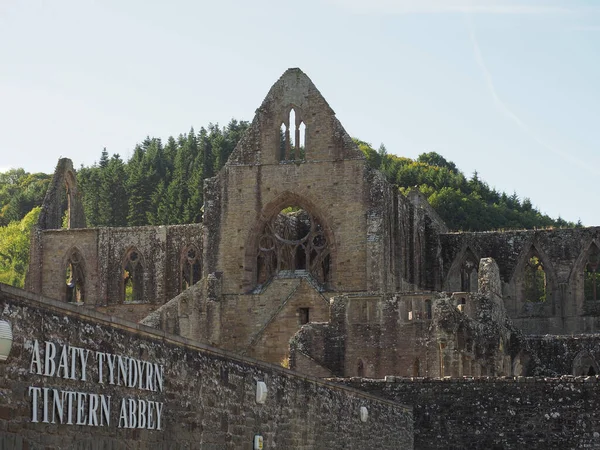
308, 257
301, 236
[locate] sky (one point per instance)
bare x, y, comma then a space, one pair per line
507, 88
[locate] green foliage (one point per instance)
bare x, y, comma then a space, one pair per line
535, 281
464, 204
14, 248
20, 192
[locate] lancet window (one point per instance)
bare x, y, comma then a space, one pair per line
468, 273
133, 277
75, 278
292, 142
191, 269
591, 277
293, 241
535, 279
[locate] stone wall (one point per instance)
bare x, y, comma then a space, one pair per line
161, 251
497, 413
563, 253
568, 355
207, 400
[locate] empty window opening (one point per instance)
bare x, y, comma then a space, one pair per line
283, 142
535, 280
304, 315
584, 365
191, 269
293, 241
591, 281
65, 201
293, 128
468, 273
133, 278
74, 277
292, 138
301, 141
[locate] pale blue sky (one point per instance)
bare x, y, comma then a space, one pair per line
508, 88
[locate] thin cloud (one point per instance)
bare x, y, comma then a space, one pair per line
505, 110
449, 6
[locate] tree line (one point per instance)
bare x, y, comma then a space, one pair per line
161, 184
464, 204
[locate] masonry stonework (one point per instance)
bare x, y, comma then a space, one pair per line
307, 257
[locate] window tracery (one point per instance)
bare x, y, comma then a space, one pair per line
75, 279
468, 273
191, 268
294, 241
133, 277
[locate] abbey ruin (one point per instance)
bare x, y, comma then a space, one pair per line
309, 259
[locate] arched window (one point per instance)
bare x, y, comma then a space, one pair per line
468, 273
133, 277
534, 280
191, 269
293, 241
584, 364
75, 278
292, 140
591, 278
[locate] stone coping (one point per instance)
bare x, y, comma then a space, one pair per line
35, 300
466, 380
125, 229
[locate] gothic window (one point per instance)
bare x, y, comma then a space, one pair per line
292, 139
293, 241
133, 277
535, 280
584, 364
468, 273
75, 280
191, 269
591, 281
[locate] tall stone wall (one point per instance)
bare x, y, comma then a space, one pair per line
206, 397
102, 252
564, 254
497, 413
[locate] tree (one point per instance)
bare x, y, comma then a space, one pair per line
14, 248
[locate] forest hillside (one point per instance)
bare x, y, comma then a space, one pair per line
161, 183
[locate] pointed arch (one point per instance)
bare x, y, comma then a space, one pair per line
292, 132
75, 275
464, 271
290, 234
132, 283
62, 206
533, 280
591, 274
190, 265
584, 364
